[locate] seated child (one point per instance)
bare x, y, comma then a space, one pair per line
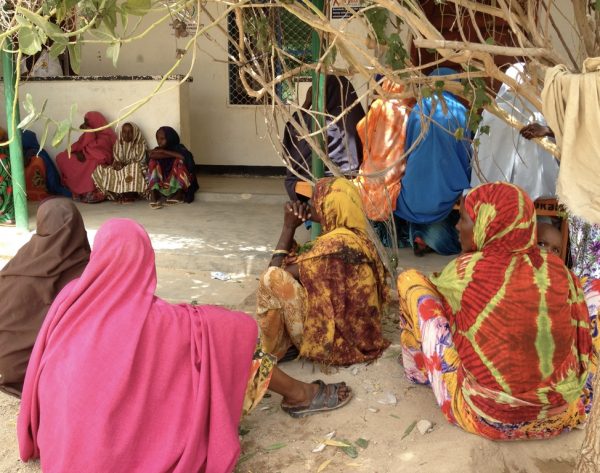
549, 238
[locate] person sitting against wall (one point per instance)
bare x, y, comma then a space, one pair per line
344, 148
437, 171
506, 154
121, 381
503, 335
171, 170
55, 255
125, 179
325, 303
41, 176
92, 149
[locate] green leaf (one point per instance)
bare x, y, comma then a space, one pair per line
26, 120
28, 103
75, 57
426, 92
362, 443
112, 52
73, 111
69, 142
110, 17
408, 430
378, 17
33, 17
439, 84
245, 457
490, 41
275, 446
459, 133
124, 19
137, 7
30, 41
396, 54
57, 49
45, 134
62, 129
485, 130
32, 114
57, 34
350, 450
597, 5
22, 21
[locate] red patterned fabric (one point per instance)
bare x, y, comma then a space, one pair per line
518, 316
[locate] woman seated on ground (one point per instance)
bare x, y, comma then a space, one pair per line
504, 154
125, 180
437, 171
343, 145
120, 380
41, 176
172, 173
326, 302
503, 333
91, 150
7, 204
56, 254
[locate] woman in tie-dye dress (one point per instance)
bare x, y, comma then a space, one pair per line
503, 334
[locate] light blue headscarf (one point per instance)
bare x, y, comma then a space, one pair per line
438, 168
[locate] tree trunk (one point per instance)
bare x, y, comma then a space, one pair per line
589, 458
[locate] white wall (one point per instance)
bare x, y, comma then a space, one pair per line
111, 98
220, 134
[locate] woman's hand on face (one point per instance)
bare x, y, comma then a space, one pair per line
535, 130
295, 213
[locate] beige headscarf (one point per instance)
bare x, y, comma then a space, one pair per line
133, 151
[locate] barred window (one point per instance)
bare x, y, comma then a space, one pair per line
293, 36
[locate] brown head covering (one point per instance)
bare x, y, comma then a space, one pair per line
55, 255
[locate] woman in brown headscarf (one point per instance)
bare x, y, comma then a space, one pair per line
55, 255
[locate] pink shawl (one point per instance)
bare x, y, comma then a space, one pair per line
121, 381
97, 148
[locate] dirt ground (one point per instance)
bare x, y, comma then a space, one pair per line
235, 237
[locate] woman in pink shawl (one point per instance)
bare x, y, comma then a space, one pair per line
87, 153
121, 381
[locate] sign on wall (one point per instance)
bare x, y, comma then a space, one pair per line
341, 9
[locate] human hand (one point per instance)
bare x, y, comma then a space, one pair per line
535, 130
295, 213
157, 153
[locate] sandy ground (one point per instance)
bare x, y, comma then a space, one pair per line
235, 237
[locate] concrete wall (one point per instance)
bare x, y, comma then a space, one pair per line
111, 98
220, 134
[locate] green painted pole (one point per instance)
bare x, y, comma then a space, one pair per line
318, 98
15, 149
